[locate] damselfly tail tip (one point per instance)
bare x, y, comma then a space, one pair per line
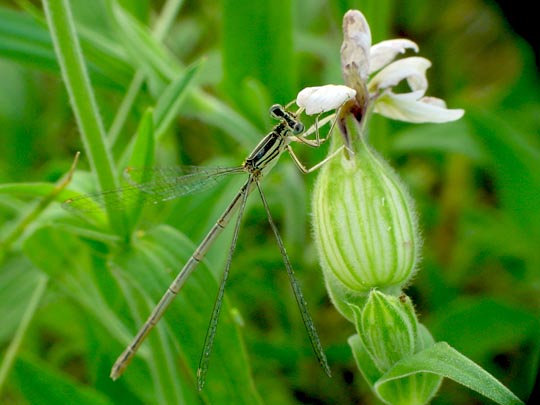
117, 371
114, 374
121, 364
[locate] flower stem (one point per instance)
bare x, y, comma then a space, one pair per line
83, 102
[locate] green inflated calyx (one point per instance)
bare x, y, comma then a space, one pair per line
365, 225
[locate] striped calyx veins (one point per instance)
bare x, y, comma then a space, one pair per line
365, 226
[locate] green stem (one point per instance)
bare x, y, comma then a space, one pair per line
83, 102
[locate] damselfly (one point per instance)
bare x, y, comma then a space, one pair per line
158, 185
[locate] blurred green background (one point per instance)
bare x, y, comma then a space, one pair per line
72, 293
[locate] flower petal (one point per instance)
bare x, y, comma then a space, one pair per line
355, 47
413, 69
434, 101
384, 52
403, 107
321, 99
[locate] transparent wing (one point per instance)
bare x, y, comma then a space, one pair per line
152, 186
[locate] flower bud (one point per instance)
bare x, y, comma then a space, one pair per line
355, 53
388, 328
388, 334
365, 227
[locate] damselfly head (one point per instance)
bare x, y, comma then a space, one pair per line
277, 111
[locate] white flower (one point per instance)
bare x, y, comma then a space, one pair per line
360, 60
317, 100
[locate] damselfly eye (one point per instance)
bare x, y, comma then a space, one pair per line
297, 128
277, 111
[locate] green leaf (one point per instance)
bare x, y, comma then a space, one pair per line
17, 285
139, 9
167, 108
169, 103
443, 360
145, 51
413, 388
25, 40
40, 384
78, 270
212, 111
144, 146
36, 284
142, 156
30, 213
485, 329
105, 58
365, 362
163, 24
31, 190
414, 376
